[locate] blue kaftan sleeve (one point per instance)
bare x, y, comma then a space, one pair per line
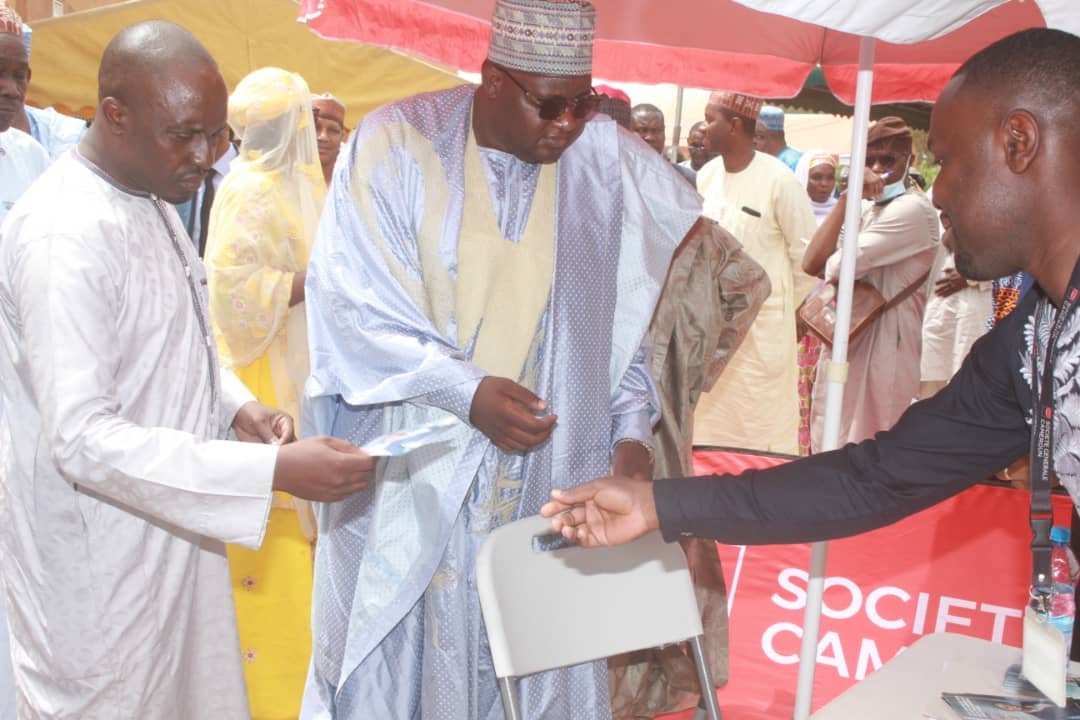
657, 203
635, 405
373, 331
456, 399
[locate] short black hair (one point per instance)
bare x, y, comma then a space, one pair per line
646, 108
1040, 63
617, 108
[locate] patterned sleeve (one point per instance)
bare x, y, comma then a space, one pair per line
635, 405
742, 287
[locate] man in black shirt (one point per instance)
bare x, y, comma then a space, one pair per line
1006, 132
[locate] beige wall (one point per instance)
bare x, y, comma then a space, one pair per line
32, 10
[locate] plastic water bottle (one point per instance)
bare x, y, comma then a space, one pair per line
1063, 585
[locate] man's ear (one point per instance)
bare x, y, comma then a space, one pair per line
742, 128
491, 79
1019, 133
116, 114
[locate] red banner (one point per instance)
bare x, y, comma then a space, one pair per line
962, 566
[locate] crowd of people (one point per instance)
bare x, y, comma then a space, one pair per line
232, 270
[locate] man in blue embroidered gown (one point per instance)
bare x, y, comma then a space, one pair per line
491, 253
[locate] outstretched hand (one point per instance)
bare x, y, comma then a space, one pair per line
323, 469
606, 511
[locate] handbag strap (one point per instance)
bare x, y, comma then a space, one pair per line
905, 293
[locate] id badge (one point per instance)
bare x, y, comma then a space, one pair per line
1044, 654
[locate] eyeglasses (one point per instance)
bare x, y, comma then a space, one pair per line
553, 107
885, 160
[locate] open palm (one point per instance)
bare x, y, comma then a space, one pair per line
607, 511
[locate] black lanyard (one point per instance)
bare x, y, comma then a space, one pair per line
1042, 431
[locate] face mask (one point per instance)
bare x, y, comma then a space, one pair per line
894, 190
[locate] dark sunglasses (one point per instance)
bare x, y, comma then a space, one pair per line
552, 108
886, 160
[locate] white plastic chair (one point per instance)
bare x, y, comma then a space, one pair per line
550, 609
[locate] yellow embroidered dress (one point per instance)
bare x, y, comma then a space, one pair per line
261, 229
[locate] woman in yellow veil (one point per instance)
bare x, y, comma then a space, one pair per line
262, 225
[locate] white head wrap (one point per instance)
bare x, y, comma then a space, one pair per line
811, 159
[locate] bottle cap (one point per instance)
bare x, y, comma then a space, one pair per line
1059, 534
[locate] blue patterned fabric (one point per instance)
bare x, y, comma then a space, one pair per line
57, 133
790, 157
396, 619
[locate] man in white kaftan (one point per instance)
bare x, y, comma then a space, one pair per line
22, 159
956, 316
755, 402
118, 488
469, 241
116, 479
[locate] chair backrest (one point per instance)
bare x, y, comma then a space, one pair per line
549, 609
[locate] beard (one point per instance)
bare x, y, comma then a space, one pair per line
981, 266
970, 268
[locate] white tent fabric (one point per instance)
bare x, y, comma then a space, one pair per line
1061, 14
907, 22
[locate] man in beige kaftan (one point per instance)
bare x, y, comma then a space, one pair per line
755, 197
897, 242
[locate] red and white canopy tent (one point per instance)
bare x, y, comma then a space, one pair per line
870, 51
761, 47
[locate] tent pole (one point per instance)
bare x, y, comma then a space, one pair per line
677, 131
837, 373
